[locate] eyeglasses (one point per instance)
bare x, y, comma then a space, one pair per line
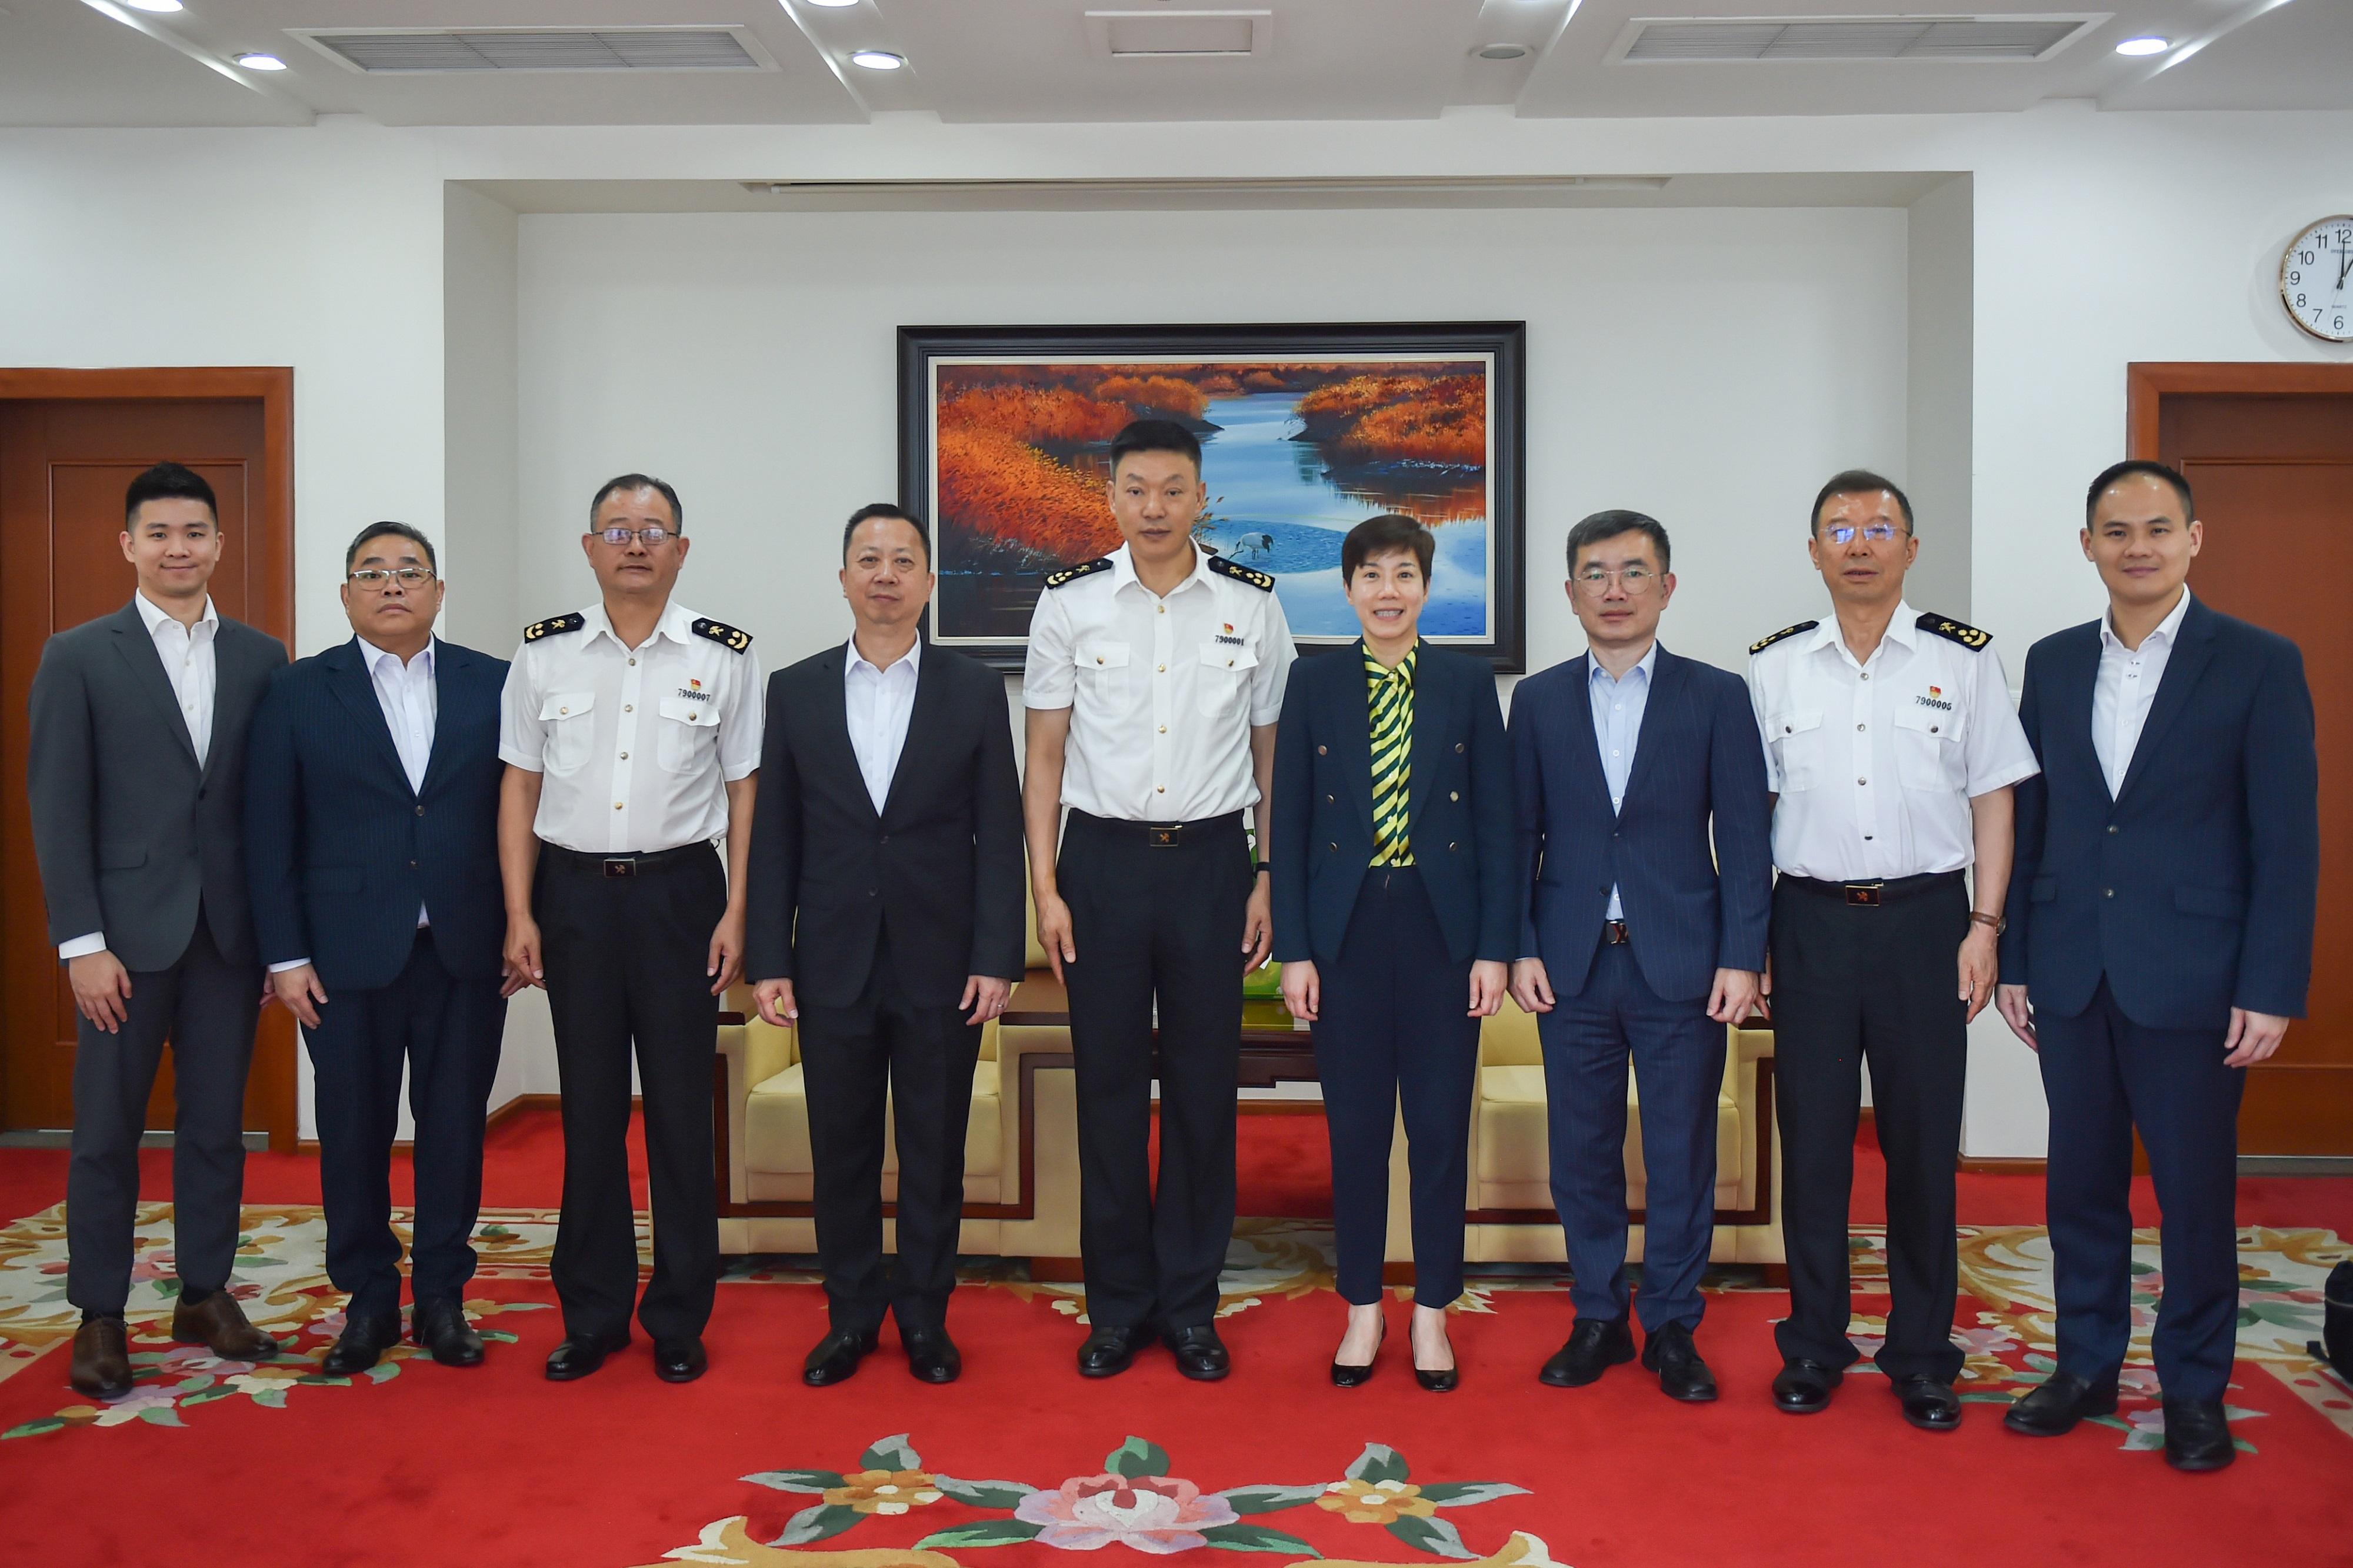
1596, 579
381, 578
652, 536
1872, 533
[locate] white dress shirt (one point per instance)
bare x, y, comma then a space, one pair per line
878, 704
635, 745
410, 702
2125, 687
1162, 691
1876, 761
190, 664
1618, 705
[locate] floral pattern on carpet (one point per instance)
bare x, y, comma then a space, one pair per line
1134, 1501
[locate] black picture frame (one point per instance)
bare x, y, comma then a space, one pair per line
1502, 344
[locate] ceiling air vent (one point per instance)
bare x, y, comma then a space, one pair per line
1179, 34
411, 51
1653, 40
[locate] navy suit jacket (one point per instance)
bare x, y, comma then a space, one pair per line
339, 851
1690, 910
1459, 803
2193, 890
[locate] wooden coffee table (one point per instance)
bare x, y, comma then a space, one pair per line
1274, 1050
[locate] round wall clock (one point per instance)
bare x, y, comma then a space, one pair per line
2316, 280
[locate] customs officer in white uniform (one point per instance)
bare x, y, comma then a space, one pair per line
1892, 747
1153, 681
631, 732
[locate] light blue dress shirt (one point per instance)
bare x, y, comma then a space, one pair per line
1618, 705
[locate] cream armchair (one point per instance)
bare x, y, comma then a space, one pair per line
1510, 1216
1021, 1154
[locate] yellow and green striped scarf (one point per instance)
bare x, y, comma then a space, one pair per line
1390, 692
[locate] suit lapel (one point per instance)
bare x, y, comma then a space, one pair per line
2182, 669
1583, 743
931, 675
348, 680
454, 693
1660, 709
137, 647
833, 727
2077, 676
1352, 728
1433, 721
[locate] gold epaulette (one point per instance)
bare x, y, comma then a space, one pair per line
722, 634
1225, 568
552, 624
1072, 574
1761, 644
1961, 632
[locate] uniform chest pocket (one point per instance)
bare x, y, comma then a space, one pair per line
571, 722
1928, 749
1102, 676
1224, 677
690, 733
1795, 737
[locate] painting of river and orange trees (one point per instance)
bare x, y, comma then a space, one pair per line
1007, 458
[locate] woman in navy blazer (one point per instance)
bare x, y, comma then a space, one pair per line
1394, 921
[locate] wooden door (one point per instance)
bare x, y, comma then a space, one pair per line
64, 466
2273, 472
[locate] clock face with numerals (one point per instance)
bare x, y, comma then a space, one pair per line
2316, 280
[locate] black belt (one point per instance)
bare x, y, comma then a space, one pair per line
1163, 835
1870, 895
623, 865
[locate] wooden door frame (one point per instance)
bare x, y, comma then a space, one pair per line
270, 597
2148, 384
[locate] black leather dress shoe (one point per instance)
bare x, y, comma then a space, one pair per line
1110, 1351
1929, 1403
679, 1360
1668, 1352
361, 1344
1802, 1387
1347, 1376
836, 1356
2197, 1434
1200, 1354
2053, 1410
1595, 1345
932, 1356
439, 1325
582, 1354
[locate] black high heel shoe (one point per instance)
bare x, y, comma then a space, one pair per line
1442, 1382
1347, 1376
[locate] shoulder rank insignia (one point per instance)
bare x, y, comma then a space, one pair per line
1761, 644
1225, 568
1072, 574
1968, 636
722, 634
552, 624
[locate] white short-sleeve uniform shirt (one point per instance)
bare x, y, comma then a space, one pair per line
1163, 692
1875, 761
636, 745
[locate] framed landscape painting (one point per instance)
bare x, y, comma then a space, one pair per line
1005, 433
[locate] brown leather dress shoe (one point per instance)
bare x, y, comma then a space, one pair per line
101, 1360
218, 1323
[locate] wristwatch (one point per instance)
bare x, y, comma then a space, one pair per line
2000, 924
1266, 865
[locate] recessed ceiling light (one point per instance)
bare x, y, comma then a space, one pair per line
1503, 52
2144, 46
843, 4
162, 8
877, 59
260, 62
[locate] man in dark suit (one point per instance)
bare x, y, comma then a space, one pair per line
1640, 939
137, 768
370, 814
885, 923
2159, 940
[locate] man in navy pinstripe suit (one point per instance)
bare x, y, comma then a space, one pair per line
371, 806
1637, 941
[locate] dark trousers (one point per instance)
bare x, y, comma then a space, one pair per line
1155, 922
206, 1006
626, 959
1396, 1029
1678, 1055
1879, 983
918, 1061
446, 1032
2105, 1075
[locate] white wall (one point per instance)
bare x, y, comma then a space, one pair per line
2097, 239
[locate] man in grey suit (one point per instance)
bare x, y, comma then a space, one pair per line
137, 770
